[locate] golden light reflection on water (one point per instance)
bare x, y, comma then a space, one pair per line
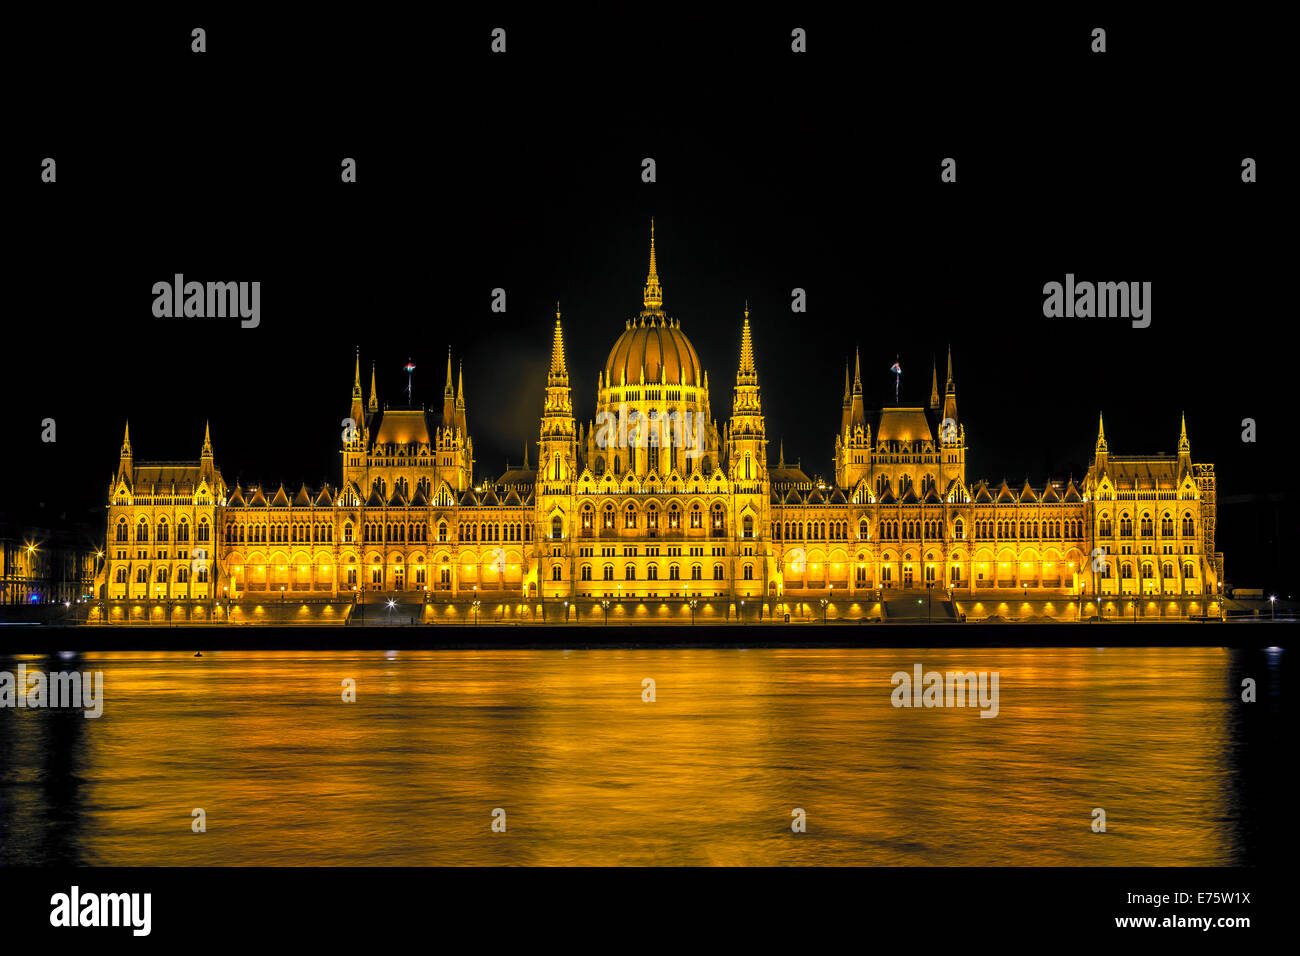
589, 774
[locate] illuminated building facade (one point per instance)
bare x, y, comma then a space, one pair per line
652, 507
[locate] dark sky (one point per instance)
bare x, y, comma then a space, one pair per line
523, 172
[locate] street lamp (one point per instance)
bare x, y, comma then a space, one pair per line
693, 604
605, 604
476, 606
1272, 607
823, 602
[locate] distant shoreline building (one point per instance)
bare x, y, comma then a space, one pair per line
653, 509
41, 565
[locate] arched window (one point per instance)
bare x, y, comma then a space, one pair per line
697, 517
652, 573
1166, 524
121, 576
1146, 526
142, 531
717, 572
697, 573
958, 529
555, 572
629, 517
182, 575
1189, 528
586, 572
629, 572
162, 530
749, 572
121, 529
557, 527
608, 572
1125, 526
748, 526
1104, 527
203, 529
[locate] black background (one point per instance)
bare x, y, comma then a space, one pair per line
522, 171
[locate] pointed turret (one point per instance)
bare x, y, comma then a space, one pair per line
126, 462
1101, 435
357, 411
780, 461
1184, 449
525, 456
654, 293
950, 393
846, 407
373, 405
558, 376
746, 374
205, 455
934, 386
557, 455
449, 397
857, 411
747, 450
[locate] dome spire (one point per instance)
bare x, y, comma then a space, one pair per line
654, 293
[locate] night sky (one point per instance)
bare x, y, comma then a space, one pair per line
523, 172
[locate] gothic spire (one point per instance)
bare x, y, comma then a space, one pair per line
934, 385
1101, 434
1184, 446
746, 374
558, 377
373, 405
654, 293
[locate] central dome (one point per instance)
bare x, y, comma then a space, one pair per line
657, 344
653, 343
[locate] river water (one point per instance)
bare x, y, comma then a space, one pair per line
585, 771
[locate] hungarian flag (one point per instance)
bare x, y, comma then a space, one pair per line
896, 368
409, 367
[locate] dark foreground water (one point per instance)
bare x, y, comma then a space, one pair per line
587, 772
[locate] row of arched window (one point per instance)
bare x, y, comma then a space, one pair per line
279, 533
375, 532
652, 572
489, 531
1167, 570
162, 533
1068, 528
182, 575
811, 530
1106, 527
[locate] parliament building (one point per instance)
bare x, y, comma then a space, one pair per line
652, 510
